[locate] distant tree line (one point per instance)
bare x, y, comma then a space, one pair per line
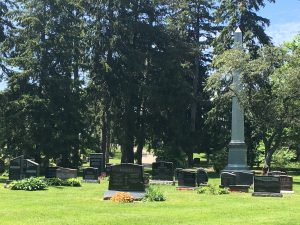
85, 74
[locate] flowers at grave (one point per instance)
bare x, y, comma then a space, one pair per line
124, 197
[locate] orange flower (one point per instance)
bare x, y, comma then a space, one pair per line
122, 197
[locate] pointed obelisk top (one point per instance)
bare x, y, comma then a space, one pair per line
238, 38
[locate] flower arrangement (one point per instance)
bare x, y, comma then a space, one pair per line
124, 197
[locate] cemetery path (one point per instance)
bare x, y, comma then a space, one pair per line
148, 159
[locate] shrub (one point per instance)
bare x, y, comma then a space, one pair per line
219, 159
123, 197
154, 194
30, 184
213, 189
54, 182
282, 158
74, 182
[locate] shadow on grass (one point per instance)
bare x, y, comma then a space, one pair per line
3, 180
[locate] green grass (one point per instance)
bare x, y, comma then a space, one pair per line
84, 206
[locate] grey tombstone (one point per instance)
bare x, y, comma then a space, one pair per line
97, 161
126, 177
162, 171
31, 168
16, 168
66, 173
267, 186
286, 183
50, 172
202, 177
187, 178
90, 174
2, 166
228, 179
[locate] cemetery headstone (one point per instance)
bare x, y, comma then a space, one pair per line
126, 177
97, 161
286, 183
176, 172
50, 172
187, 178
276, 173
162, 171
16, 171
267, 186
2, 166
66, 173
244, 177
90, 174
31, 168
202, 177
228, 179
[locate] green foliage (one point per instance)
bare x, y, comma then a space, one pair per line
213, 190
154, 194
219, 159
74, 182
54, 181
30, 184
282, 158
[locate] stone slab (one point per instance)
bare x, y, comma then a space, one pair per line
137, 196
161, 182
266, 194
185, 188
239, 188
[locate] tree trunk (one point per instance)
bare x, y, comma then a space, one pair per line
104, 135
190, 158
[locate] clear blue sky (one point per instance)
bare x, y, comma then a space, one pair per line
284, 16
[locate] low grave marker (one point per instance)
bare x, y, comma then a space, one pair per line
66, 173
162, 173
97, 161
90, 174
267, 186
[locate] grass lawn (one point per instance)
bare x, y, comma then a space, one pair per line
84, 206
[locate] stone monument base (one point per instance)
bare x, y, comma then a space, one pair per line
162, 182
266, 194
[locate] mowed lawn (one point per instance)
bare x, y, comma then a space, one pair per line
84, 206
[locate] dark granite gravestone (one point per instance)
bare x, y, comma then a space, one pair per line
2, 166
267, 186
66, 173
108, 168
202, 177
162, 171
16, 171
244, 178
176, 172
276, 173
126, 177
50, 172
196, 161
228, 179
31, 168
187, 178
286, 183
90, 174
97, 161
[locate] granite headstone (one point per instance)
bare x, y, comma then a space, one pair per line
16, 168
97, 161
187, 178
162, 171
31, 168
202, 177
90, 174
50, 172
